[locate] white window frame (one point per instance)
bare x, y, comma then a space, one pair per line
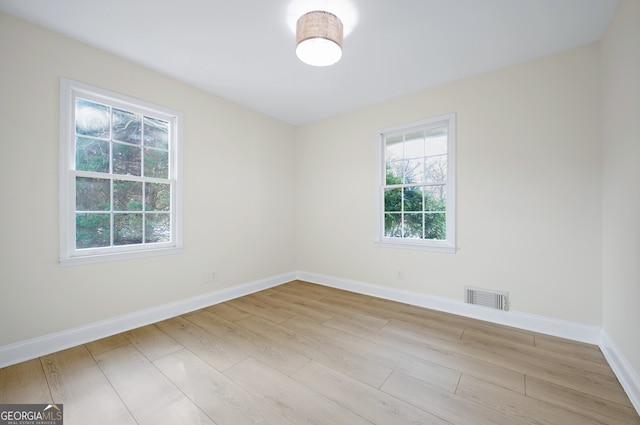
447, 245
69, 255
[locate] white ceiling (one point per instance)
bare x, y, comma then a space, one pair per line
244, 50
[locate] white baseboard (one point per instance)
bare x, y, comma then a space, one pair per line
549, 326
36, 347
628, 377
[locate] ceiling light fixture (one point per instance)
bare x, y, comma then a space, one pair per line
319, 38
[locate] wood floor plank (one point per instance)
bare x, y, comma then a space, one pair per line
295, 401
444, 404
254, 344
298, 306
573, 349
430, 328
24, 383
401, 315
411, 313
224, 401
151, 397
499, 339
596, 379
228, 311
318, 292
603, 410
333, 294
105, 344
216, 352
511, 379
152, 342
418, 315
338, 309
77, 382
301, 288
376, 406
545, 356
353, 365
577, 374
421, 368
257, 306
518, 405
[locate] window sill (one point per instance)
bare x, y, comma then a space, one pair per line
416, 246
118, 256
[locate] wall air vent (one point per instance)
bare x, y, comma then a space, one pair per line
487, 298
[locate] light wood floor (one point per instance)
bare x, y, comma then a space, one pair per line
306, 354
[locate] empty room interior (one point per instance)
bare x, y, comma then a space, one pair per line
200, 225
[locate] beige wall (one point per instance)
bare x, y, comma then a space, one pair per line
238, 191
528, 190
621, 180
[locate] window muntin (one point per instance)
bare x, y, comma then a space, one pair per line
416, 190
120, 176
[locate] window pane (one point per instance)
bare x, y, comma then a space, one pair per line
126, 159
437, 145
393, 149
156, 133
392, 225
414, 171
92, 155
93, 194
92, 230
157, 197
414, 145
127, 126
435, 226
156, 163
127, 229
394, 172
412, 199
412, 226
127, 195
393, 200
435, 199
437, 141
436, 169
92, 119
157, 228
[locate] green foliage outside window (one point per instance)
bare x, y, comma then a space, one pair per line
414, 211
119, 150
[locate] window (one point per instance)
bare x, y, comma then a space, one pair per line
120, 177
415, 196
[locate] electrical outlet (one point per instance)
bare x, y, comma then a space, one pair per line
209, 276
